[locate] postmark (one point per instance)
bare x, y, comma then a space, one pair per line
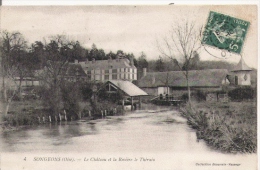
225, 32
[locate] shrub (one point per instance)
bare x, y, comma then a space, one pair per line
242, 93
232, 129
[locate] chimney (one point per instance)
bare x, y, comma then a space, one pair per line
144, 72
76, 61
93, 60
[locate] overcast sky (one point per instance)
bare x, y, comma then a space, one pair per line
132, 29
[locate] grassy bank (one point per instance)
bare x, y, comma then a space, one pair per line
229, 127
32, 112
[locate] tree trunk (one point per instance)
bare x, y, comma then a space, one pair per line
188, 87
188, 93
7, 105
4, 90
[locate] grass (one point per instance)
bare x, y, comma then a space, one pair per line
23, 113
229, 127
29, 112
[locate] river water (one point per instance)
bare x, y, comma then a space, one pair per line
157, 133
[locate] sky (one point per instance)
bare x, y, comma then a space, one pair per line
133, 29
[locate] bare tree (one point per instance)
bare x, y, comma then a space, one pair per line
57, 55
13, 47
180, 47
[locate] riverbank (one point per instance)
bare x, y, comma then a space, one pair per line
229, 127
32, 112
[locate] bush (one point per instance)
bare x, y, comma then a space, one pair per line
199, 95
102, 105
28, 117
232, 129
242, 93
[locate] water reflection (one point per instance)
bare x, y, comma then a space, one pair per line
155, 130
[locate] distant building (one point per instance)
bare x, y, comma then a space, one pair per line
23, 80
74, 72
210, 80
69, 72
241, 74
174, 82
111, 69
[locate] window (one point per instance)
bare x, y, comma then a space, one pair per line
114, 71
97, 71
114, 76
106, 77
107, 71
245, 77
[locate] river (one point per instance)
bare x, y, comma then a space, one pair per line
159, 134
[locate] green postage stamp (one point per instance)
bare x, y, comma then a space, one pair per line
225, 32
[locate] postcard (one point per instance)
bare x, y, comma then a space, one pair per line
170, 87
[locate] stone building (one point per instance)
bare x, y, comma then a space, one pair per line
111, 69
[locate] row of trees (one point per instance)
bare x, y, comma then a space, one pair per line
179, 47
18, 59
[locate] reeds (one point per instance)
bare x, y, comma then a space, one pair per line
230, 129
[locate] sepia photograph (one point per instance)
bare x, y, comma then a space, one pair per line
111, 87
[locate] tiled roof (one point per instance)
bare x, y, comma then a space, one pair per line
106, 64
75, 70
197, 78
241, 66
129, 88
68, 69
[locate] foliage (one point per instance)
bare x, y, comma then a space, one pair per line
86, 90
159, 65
242, 93
28, 117
71, 97
142, 62
229, 129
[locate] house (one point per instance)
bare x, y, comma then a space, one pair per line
74, 72
111, 69
25, 79
174, 82
66, 71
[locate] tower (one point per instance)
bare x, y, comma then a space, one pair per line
242, 74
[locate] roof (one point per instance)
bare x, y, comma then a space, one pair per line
241, 66
107, 64
75, 70
197, 78
129, 88
68, 69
